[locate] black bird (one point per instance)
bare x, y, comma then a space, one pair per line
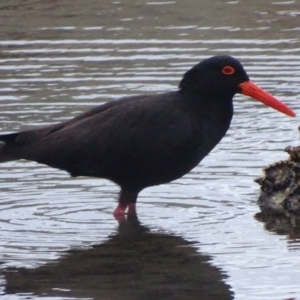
142, 141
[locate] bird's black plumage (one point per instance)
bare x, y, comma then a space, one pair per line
139, 141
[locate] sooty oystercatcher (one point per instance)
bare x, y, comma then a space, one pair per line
142, 141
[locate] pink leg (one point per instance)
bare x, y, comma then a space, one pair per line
126, 199
119, 212
131, 209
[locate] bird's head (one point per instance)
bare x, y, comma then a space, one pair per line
221, 77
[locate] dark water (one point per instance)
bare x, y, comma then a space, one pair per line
133, 263
197, 235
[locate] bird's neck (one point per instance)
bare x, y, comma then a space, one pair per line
217, 108
213, 114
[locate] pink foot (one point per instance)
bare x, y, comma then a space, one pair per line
119, 212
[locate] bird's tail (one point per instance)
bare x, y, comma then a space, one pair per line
4, 157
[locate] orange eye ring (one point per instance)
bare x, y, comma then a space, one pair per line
228, 70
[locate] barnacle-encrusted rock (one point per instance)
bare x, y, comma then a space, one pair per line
294, 153
280, 186
292, 202
277, 176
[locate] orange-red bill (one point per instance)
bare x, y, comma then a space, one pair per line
249, 88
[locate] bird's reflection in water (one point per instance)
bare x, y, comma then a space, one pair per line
290, 227
133, 263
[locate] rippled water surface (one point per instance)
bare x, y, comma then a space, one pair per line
197, 235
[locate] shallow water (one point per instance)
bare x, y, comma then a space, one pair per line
60, 58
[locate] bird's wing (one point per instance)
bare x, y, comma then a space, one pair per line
34, 135
141, 129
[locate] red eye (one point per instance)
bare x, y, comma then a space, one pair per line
228, 70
